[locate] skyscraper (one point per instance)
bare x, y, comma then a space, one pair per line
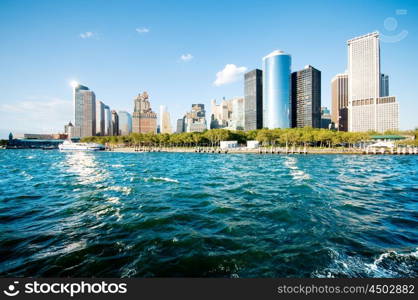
69, 130
221, 114
228, 114
144, 120
339, 95
195, 120
253, 95
84, 111
325, 118
366, 111
180, 125
107, 121
165, 122
276, 90
384, 85
237, 116
100, 118
115, 123
125, 122
306, 98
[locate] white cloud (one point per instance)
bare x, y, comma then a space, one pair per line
87, 35
46, 115
142, 30
186, 57
230, 73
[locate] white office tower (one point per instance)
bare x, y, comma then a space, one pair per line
165, 122
367, 110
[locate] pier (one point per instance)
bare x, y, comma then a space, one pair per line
392, 151
269, 150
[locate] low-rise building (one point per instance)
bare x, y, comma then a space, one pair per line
228, 144
253, 144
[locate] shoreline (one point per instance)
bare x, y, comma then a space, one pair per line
247, 151
262, 150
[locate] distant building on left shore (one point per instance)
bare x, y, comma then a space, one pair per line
36, 140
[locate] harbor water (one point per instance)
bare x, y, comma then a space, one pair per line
107, 214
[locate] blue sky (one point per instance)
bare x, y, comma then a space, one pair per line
175, 49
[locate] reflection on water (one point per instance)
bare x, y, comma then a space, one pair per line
172, 214
291, 163
84, 165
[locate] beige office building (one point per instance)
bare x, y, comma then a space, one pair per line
165, 122
366, 109
339, 100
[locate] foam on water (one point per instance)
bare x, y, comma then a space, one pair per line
388, 264
166, 179
291, 163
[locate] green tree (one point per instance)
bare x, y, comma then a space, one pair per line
264, 136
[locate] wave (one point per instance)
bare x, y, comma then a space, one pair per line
393, 263
166, 179
390, 264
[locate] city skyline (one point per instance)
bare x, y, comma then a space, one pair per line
202, 76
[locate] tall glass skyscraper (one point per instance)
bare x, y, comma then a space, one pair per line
276, 90
108, 121
100, 118
125, 122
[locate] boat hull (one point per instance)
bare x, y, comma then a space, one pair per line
74, 149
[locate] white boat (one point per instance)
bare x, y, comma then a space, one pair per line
70, 146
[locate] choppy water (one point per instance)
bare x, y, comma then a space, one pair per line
166, 214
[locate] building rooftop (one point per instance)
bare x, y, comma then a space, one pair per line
372, 34
275, 53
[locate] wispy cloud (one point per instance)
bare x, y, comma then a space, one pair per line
36, 115
142, 30
87, 35
186, 57
230, 73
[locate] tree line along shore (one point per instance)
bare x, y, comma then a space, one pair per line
295, 137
